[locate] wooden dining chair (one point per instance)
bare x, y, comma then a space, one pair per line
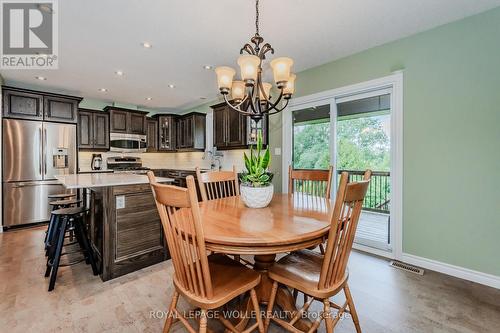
324, 276
217, 184
206, 282
313, 182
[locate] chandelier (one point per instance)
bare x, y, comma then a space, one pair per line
250, 95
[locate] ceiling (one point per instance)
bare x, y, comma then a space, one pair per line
97, 38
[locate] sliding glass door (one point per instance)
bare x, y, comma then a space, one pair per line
363, 141
311, 138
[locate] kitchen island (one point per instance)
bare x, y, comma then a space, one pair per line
124, 226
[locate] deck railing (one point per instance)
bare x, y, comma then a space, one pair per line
378, 196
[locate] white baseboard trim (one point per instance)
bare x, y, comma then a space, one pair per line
456, 271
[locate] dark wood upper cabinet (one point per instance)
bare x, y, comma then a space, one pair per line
37, 105
191, 131
232, 130
85, 129
118, 121
93, 129
151, 134
166, 132
60, 109
219, 127
101, 130
137, 123
126, 121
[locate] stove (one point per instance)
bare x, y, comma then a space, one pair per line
126, 164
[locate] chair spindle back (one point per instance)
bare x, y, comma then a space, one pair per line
217, 184
181, 221
344, 221
313, 182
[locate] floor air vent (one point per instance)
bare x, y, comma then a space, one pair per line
407, 267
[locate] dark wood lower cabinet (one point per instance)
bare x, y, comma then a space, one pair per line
125, 229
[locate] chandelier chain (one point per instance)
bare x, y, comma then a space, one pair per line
257, 16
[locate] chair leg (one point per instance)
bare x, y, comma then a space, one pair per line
51, 231
327, 314
352, 309
322, 248
256, 307
51, 244
57, 256
203, 321
87, 249
270, 305
170, 314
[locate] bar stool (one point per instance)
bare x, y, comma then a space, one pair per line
61, 196
57, 204
65, 220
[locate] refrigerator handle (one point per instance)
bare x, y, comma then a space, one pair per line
40, 154
45, 148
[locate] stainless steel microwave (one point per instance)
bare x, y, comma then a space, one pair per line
127, 143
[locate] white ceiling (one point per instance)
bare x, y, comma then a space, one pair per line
97, 37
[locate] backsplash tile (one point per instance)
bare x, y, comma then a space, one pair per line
186, 160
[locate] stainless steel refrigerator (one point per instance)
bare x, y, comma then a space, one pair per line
33, 153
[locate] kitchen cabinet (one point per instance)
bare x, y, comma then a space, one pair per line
232, 130
37, 105
166, 132
179, 177
93, 129
126, 121
151, 134
128, 236
60, 109
191, 129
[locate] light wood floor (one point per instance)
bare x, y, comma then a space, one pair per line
388, 300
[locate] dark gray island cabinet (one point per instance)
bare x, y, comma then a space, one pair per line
124, 226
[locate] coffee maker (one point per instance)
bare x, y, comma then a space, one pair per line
96, 163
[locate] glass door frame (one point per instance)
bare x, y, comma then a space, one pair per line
393, 82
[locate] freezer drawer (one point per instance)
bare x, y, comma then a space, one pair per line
27, 202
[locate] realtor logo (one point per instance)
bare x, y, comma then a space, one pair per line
29, 34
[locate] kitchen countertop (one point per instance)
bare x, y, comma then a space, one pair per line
183, 169
89, 180
95, 171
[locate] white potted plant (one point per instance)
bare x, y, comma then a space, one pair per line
256, 188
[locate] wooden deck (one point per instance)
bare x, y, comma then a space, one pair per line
373, 229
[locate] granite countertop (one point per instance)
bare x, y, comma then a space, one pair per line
89, 180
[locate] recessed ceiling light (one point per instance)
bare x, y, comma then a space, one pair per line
147, 45
41, 78
171, 86
119, 73
149, 98
103, 89
208, 67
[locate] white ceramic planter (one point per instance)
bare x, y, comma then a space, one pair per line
256, 197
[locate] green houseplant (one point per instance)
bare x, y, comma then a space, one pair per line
256, 188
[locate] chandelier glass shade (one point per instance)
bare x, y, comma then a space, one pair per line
249, 95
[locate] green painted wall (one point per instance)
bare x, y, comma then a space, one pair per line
451, 204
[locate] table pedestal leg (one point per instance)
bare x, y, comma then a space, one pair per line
284, 298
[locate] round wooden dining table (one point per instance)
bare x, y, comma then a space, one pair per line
289, 223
